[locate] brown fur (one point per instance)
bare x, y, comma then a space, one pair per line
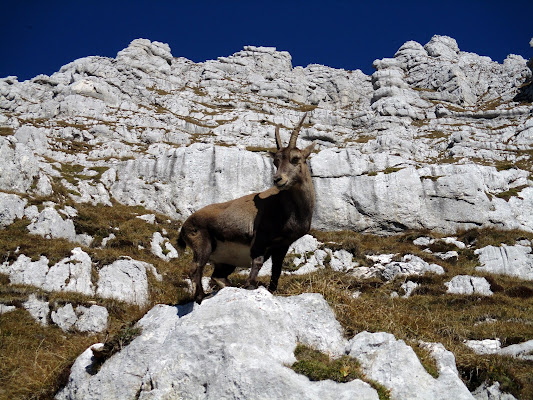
252, 228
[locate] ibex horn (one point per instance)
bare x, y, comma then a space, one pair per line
278, 139
296, 131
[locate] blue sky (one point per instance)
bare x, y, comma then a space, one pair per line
41, 36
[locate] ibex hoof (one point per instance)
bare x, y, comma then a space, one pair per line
250, 286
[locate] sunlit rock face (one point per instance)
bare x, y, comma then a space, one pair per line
435, 138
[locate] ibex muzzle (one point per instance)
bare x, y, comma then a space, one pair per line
247, 231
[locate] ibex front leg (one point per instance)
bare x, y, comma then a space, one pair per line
257, 263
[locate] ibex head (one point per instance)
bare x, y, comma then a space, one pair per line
290, 161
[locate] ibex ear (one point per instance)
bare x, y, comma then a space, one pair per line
308, 150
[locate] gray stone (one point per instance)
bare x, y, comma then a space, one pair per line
72, 274
4, 309
485, 346
164, 125
125, 280
493, 346
388, 270
84, 319
492, 392
408, 287
465, 284
25, 271
507, 260
169, 251
11, 208
64, 317
19, 166
49, 224
91, 319
38, 309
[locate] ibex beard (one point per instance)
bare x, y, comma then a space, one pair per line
247, 231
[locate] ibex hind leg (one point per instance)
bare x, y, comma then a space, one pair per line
221, 273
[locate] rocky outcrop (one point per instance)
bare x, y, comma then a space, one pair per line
125, 279
238, 344
72, 274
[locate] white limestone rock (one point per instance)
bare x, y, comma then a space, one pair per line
125, 280
49, 224
4, 309
235, 345
423, 241
150, 218
410, 265
408, 287
64, 317
493, 346
11, 208
514, 260
24, 271
44, 185
485, 346
466, 284
449, 255
342, 260
158, 241
31, 213
38, 309
72, 274
395, 365
19, 167
92, 193
91, 319
386, 121
492, 392
178, 173
107, 240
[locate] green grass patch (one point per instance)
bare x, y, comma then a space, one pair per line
513, 192
318, 366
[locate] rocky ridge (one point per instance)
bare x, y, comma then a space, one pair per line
436, 138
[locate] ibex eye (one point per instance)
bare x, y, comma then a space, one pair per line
295, 160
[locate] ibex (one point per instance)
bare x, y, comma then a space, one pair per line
247, 231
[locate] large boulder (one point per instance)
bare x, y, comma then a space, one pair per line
239, 344
235, 345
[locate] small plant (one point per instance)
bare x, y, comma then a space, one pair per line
318, 366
